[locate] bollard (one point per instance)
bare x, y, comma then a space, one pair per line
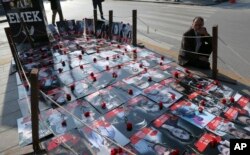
134, 25
35, 109
215, 52
110, 24
95, 21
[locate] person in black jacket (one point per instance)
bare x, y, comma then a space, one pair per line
196, 40
99, 4
56, 8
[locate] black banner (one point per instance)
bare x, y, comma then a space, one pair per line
27, 21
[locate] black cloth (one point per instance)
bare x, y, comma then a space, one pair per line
99, 4
188, 43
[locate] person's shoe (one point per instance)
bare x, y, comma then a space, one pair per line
102, 18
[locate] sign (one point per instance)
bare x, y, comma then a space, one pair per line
27, 21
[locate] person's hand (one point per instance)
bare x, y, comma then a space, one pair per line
203, 31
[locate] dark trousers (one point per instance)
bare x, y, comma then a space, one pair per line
54, 12
99, 4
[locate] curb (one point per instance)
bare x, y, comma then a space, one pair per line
184, 3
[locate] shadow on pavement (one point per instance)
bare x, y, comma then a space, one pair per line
10, 111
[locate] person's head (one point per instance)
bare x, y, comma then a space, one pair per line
244, 119
161, 150
178, 132
223, 150
148, 106
198, 23
238, 133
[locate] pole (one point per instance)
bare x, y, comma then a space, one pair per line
134, 25
110, 24
95, 21
215, 52
34, 109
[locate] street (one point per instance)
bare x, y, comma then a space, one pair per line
164, 25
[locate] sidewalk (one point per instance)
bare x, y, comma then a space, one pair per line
185, 2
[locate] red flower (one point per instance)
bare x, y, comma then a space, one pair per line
173, 96
160, 105
149, 79
68, 97
107, 68
175, 152
232, 100
200, 109
223, 101
176, 74
103, 105
87, 114
72, 87
63, 63
130, 92
129, 126
60, 70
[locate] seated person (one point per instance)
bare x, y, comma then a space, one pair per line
196, 40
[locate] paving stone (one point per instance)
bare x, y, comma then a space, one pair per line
8, 141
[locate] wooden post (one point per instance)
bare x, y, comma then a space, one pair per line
110, 24
95, 21
134, 25
215, 52
35, 109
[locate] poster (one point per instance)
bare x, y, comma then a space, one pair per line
25, 130
160, 93
69, 143
211, 144
105, 100
83, 110
34, 21
190, 112
58, 120
226, 129
179, 133
97, 140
